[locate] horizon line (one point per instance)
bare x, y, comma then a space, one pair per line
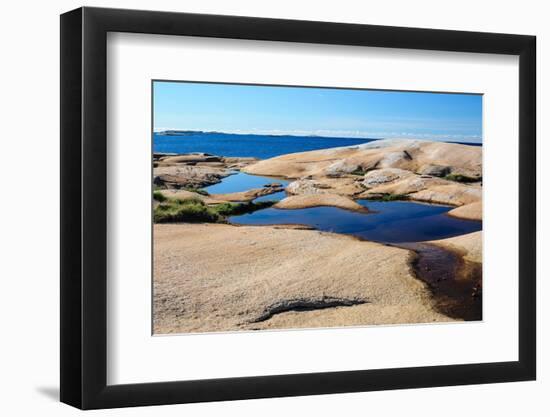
333, 134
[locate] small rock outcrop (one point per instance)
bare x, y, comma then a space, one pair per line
342, 167
384, 176
306, 186
248, 195
182, 176
435, 170
320, 200
193, 170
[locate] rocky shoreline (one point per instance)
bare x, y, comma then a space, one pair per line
423, 171
220, 277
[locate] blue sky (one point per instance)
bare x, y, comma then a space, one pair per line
317, 111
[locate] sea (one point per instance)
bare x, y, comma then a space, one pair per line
257, 146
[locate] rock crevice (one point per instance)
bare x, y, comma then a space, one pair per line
307, 304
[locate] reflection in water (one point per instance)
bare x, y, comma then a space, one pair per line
242, 182
389, 222
271, 197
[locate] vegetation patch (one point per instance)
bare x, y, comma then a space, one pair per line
235, 209
394, 197
197, 190
188, 210
388, 197
363, 171
461, 178
194, 210
158, 196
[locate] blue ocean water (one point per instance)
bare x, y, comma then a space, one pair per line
257, 146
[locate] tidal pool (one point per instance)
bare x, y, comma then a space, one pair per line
388, 222
242, 182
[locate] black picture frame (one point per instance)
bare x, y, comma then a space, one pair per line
84, 207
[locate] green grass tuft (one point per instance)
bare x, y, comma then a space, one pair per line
387, 197
194, 210
158, 196
235, 209
189, 210
358, 171
392, 197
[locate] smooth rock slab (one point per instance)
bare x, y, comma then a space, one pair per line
319, 200
213, 277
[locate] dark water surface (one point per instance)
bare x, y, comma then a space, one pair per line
455, 283
391, 222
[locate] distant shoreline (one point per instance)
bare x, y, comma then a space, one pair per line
215, 132
183, 133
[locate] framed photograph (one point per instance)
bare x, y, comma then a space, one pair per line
261, 208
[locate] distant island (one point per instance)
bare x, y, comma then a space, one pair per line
173, 132
182, 132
